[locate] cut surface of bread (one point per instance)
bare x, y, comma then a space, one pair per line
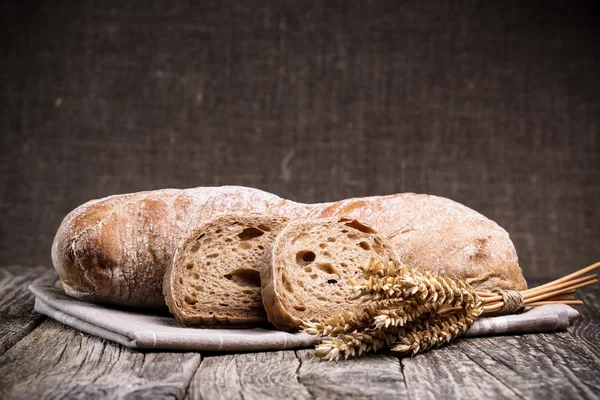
214, 277
306, 270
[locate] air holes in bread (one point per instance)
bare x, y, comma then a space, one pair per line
189, 266
365, 245
314, 276
250, 233
264, 227
190, 300
195, 276
331, 239
286, 283
305, 257
213, 255
195, 247
353, 236
224, 305
299, 308
331, 281
327, 267
308, 269
244, 277
360, 227
245, 246
322, 245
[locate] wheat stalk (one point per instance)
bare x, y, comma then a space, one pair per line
413, 311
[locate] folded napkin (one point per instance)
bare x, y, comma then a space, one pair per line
148, 331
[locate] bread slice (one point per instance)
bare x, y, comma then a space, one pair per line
306, 270
214, 276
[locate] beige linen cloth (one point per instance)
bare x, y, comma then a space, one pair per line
148, 331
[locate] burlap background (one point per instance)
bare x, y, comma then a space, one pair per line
492, 104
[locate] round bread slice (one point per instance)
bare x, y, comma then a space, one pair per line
214, 276
305, 272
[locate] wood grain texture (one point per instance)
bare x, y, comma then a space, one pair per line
16, 302
587, 328
268, 375
372, 376
55, 361
525, 366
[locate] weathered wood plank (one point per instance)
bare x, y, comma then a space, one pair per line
524, 366
267, 375
448, 372
369, 376
55, 361
587, 328
17, 317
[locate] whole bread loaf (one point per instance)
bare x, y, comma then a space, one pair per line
308, 268
115, 250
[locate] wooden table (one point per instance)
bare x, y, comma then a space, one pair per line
42, 358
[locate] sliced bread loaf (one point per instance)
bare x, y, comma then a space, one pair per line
305, 272
214, 276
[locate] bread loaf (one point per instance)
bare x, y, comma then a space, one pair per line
214, 277
115, 250
306, 272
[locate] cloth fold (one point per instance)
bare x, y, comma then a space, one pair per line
148, 331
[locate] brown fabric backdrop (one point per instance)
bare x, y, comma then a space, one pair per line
492, 104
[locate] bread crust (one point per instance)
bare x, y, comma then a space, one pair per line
115, 250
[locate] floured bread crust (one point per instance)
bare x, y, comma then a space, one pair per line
116, 250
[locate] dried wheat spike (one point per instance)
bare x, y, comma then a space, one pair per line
412, 310
340, 323
349, 344
383, 282
435, 331
432, 330
391, 312
407, 312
